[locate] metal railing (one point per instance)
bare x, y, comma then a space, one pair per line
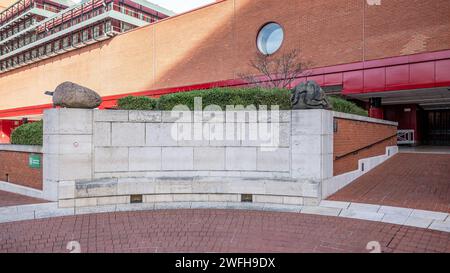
355, 151
405, 137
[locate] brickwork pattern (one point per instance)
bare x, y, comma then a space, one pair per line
14, 169
12, 199
352, 135
419, 181
215, 231
215, 43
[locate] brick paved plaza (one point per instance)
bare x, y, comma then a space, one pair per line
215, 231
411, 180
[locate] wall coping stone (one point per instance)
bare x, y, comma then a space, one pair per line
21, 148
362, 118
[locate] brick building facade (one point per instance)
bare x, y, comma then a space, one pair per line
396, 54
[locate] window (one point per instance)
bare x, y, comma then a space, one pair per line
270, 38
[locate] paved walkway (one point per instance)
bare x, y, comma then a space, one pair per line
215, 231
425, 149
12, 199
411, 180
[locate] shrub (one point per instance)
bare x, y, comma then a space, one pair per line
137, 103
222, 97
341, 105
28, 134
228, 96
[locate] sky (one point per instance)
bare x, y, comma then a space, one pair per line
177, 6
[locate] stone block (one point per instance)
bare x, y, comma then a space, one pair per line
67, 144
307, 122
75, 166
432, 215
128, 134
283, 188
174, 185
320, 211
66, 189
190, 197
418, 222
282, 208
97, 187
192, 134
362, 214
145, 159
54, 213
96, 209
161, 134
209, 158
364, 207
334, 204
69, 203
65, 121
158, 198
112, 200
179, 115
102, 134
395, 210
440, 225
127, 186
393, 218
223, 197
145, 116
177, 158
242, 158
277, 160
311, 201
292, 200
306, 166
268, 199
112, 159
307, 144
110, 115
86, 202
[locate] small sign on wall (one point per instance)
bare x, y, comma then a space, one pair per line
34, 161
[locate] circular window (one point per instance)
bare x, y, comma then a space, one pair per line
270, 38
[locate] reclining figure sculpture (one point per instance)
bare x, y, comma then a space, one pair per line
309, 95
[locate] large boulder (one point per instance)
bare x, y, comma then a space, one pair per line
72, 95
309, 95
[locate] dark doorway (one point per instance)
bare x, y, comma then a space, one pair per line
436, 129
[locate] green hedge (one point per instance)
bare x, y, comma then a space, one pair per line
137, 103
230, 96
28, 134
341, 105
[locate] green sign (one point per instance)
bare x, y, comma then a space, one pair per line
34, 161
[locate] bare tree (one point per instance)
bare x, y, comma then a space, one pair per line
276, 72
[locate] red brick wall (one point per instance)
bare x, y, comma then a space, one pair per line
14, 169
216, 43
352, 135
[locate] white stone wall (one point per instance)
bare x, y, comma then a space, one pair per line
142, 143
101, 157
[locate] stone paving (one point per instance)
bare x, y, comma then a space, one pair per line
12, 199
410, 180
215, 231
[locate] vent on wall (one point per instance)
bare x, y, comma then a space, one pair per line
135, 198
246, 198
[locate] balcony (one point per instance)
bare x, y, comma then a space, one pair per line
92, 21
23, 10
